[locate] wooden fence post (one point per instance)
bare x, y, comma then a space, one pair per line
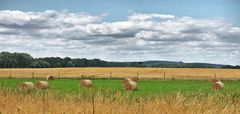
10, 75
93, 104
110, 74
164, 75
59, 75
32, 74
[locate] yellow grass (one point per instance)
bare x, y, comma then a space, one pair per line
17, 103
122, 72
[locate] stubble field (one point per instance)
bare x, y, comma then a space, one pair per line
121, 72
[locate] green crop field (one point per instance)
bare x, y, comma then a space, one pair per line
145, 87
107, 96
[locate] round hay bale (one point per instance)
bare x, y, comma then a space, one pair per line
41, 85
130, 86
215, 80
218, 85
135, 79
25, 86
50, 78
86, 83
125, 80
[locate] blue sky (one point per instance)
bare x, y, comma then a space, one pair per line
119, 9
123, 30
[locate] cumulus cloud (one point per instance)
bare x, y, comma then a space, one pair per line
140, 37
143, 17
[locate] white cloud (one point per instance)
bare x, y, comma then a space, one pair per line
144, 17
140, 37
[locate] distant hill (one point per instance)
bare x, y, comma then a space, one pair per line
24, 60
180, 64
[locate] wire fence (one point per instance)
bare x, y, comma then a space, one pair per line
111, 75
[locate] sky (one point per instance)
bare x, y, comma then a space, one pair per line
123, 30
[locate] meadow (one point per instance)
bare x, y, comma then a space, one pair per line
145, 87
65, 96
160, 91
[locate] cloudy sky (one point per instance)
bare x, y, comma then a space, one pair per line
123, 30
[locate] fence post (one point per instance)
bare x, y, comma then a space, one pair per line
83, 74
10, 75
164, 75
59, 75
93, 104
110, 74
215, 76
137, 74
32, 74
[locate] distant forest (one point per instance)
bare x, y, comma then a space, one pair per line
24, 60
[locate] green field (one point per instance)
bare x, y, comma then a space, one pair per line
109, 97
145, 87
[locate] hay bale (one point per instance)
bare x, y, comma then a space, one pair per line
41, 85
50, 78
215, 80
135, 79
217, 84
25, 86
125, 80
130, 86
86, 83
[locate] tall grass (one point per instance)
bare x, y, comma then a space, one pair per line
85, 102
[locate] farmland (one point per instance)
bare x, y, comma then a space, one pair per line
107, 96
121, 72
152, 96
145, 87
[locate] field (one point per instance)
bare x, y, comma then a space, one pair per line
120, 72
108, 96
182, 94
145, 87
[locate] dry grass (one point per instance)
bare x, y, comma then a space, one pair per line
123, 72
19, 103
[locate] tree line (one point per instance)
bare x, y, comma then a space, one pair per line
24, 60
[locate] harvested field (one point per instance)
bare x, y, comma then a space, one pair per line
121, 72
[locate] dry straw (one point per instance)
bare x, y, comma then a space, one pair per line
50, 78
42, 85
25, 86
130, 86
125, 80
217, 84
215, 80
86, 83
